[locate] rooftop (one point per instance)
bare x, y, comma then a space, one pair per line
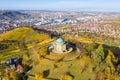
59, 41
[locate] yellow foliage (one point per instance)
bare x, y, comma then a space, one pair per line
110, 59
1, 56
6, 76
24, 33
107, 70
38, 76
81, 39
43, 51
66, 77
45, 42
25, 58
13, 75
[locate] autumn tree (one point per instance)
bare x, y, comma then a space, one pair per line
37, 76
43, 51
110, 60
98, 55
6, 76
66, 77
89, 48
13, 76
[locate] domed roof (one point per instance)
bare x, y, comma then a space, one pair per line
59, 41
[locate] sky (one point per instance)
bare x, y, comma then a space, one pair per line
61, 5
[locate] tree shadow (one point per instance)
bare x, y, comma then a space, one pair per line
52, 79
46, 73
68, 73
114, 49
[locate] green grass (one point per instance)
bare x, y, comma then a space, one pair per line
74, 67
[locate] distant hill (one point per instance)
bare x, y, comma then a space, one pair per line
12, 15
23, 34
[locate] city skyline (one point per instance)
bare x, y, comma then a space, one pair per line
61, 5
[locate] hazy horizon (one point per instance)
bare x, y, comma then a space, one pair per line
62, 5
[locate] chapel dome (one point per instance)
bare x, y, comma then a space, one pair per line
59, 41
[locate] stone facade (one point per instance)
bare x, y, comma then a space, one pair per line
59, 46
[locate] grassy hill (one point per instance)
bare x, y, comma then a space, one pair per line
92, 61
84, 67
23, 34
12, 42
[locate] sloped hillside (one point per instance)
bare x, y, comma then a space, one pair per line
23, 34
12, 42
12, 15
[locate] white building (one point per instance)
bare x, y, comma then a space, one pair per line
60, 46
